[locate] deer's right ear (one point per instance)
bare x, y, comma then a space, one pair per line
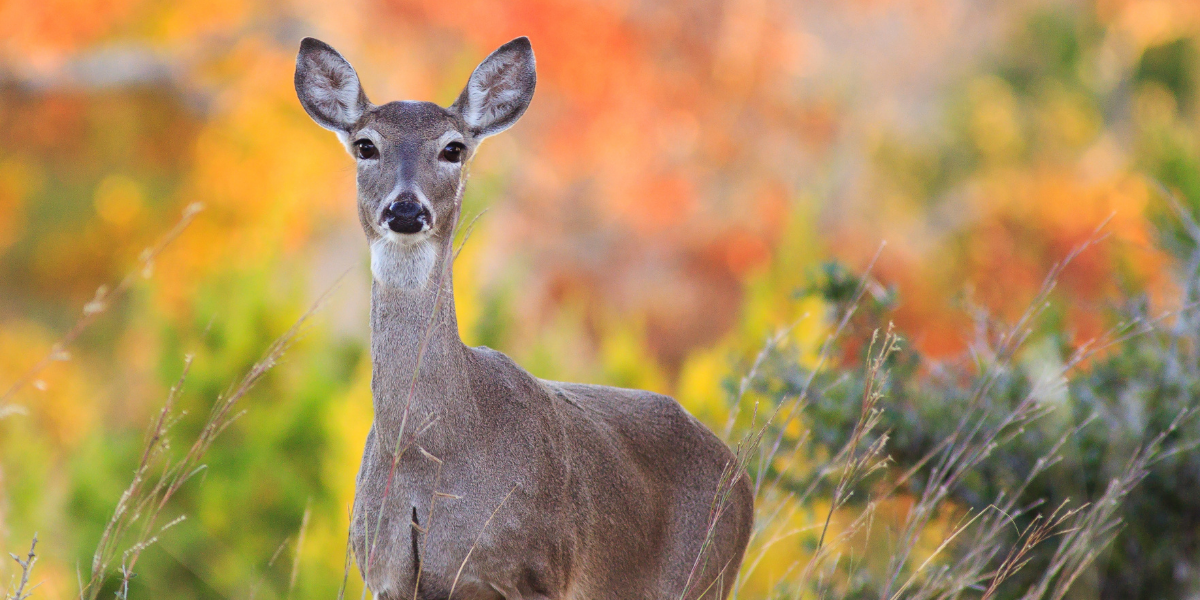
328, 87
499, 90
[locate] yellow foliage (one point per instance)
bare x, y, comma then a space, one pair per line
1069, 120
60, 401
118, 200
1151, 22
994, 123
626, 359
350, 417
468, 281
699, 386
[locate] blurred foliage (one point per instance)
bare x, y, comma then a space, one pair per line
671, 198
1144, 374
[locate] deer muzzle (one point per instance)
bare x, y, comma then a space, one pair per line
406, 216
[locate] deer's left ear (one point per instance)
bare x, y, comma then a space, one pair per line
499, 90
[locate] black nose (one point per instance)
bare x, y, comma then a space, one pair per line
406, 216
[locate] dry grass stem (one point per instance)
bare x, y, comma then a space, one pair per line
988, 546
475, 544
142, 503
100, 303
299, 547
22, 589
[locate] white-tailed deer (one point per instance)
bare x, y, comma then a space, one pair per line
478, 479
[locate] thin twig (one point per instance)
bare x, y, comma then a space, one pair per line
23, 591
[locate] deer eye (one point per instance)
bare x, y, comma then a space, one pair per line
366, 149
453, 152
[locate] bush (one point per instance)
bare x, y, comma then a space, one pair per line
1048, 457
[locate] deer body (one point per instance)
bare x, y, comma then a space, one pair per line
478, 479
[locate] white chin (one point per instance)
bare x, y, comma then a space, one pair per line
402, 266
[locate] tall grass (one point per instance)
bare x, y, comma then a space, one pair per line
135, 522
1007, 546
941, 547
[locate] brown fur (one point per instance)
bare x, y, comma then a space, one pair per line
477, 477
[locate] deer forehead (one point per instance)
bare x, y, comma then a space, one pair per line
415, 121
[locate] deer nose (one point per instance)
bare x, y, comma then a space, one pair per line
406, 216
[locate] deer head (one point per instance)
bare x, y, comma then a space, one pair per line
412, 156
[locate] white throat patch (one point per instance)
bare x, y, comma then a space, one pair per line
401, 266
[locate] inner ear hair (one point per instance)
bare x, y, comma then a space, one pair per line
499, 90
328, 87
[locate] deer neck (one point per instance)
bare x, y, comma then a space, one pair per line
417, 356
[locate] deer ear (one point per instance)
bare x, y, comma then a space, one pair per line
499, 90
328, 87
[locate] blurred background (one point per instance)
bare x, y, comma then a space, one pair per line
687, 170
